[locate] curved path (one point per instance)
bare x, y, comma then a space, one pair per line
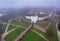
5, 34
23, 27
39, 34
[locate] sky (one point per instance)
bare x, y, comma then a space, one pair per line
29, 3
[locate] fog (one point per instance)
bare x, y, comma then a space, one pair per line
29, 3
1, 15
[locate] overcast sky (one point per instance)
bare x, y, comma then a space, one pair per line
29, 3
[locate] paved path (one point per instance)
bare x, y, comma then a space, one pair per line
5, 34
7, 27
39, 34
17, 25
23, 27
39, 28
23, 33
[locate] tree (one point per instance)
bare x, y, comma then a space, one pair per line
1, 30
1, 22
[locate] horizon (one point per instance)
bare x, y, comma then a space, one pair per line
29, 3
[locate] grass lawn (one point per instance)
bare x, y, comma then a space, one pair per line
16, 32
11, 27
22, 23
44, 34
52, 33
31, 36
13, 34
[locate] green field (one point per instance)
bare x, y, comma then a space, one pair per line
13, 34
30, 36
52, 33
